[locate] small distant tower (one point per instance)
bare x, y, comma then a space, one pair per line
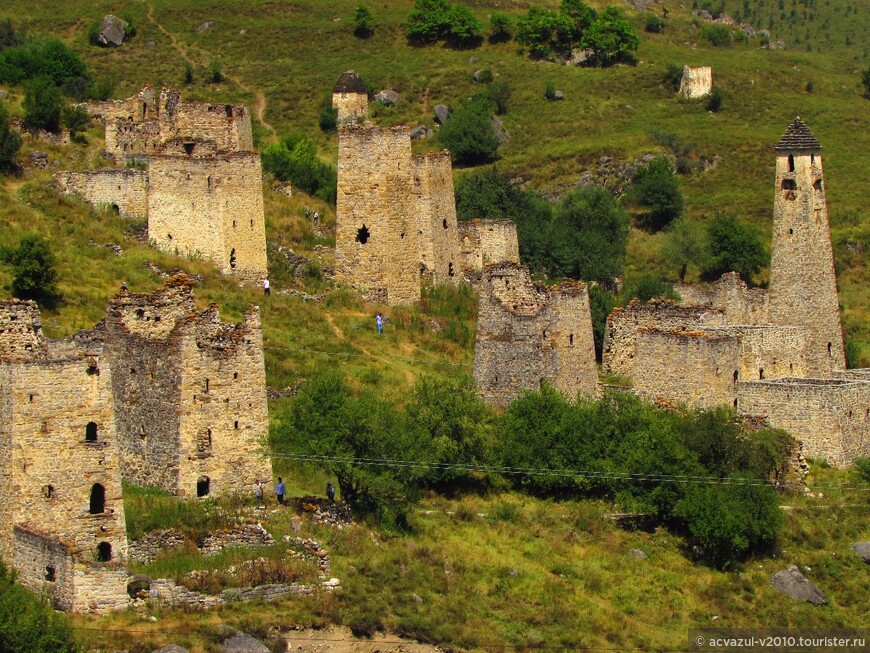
803, 285
350, 97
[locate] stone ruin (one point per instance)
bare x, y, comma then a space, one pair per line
696, 82
350, 98
199, 180
777, 356
157, 394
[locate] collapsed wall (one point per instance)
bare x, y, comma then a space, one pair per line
729, 294
696, 82
528, 334
486, 242
125, 191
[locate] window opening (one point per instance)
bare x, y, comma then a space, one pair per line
362, 235
789, 184
830, 350
91, 432
49, 574
202, 486
229, 111
760, 373
791, 162
188, 148
236, 424
571, 339
140, 312
48, 491
104, 552
736, 376
450, 271
233, 258
444, 223
98, 499
817, 184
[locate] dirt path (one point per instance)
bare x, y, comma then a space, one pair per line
259, 103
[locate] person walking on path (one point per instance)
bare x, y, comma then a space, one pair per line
279, 490
258, 494
379, 322
316, 218
266, 289
330, 493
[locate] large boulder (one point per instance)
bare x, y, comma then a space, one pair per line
244, 643
387, 97
112, 31
442, 113
792, 582
863, 551
419, 133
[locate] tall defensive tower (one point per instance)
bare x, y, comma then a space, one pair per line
803, 285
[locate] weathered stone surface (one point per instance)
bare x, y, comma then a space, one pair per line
748, 29
696, 82
204, 26
792, 582
125, 191
38, 159
485, 242
4, 94
703, 14
418, 133
442, 113
862, 549
558, 95
112, 31
387, 97
244, 643
640, 555
500, 131
350, 98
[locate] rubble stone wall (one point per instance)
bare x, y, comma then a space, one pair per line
124, 190
440, 258
696, 82
487, 242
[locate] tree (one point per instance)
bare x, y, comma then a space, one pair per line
683, 246
188, 73
601, 304
673, 77
463, 27
500, 27
43, 57
215, 75
469, 133
714, 100
428, 20
10, 140
294, 158
362, 22
43, 105
733, 245
33, 272
28, 624
76, 118
657, 188
545, 32
612, 38
580, 14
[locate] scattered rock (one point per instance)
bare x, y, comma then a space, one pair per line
417, 598
387, 97
792, 582
112, 31
863, 551
204, 26
472, 59
331, 583
172, 648
558, 95
419, 133
725, 19
244, 643
579, 57
703, 14
641, 5
4, 94
150, 45
748, 29
139, 586
38, 159
442, 113
776, 44
296, 524
640, 555
500, 131
765, 34
605, 161
283, 187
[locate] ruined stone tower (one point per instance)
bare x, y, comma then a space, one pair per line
190, 393
803, 286
437, 230
350, 98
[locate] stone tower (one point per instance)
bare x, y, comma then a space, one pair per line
803, 286
350, 98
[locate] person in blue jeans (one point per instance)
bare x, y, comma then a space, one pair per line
379, 321
279, 490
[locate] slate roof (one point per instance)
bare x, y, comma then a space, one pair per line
798, 137
349, 82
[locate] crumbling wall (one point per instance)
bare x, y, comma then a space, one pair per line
696, 82
210, 207
377, 246
44, 565
350, 98
435, 212
830, 416
126, 191
620, 352
486, 242
729, 293
803, 285
21, 336
528, 334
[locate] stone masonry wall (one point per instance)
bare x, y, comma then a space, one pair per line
830, 416
436, 217
696, 82
620, 352
377, 246
210, 207
741, 304
126, 190
44, 565
351, 106
486, 242
803, 285
528, 333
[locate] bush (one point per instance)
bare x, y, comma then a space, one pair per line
580, 14
717, 35
485, 76
27, 623
733, 245
428, 21
215, 75
500, 27
646, 287
545, 32
463, 27
294, 158
10, 140
188, 73
673, 77
44, 57
657, 188
469, 133
500, 93
9, 36
33, 271
362, 22
601, 304
43, 105
612, 38
714, 101
550, 91
328, 118
865, 81
862, 469
654, 24
76, 118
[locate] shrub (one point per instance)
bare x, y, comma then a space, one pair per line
862, 469
545, 32
44, 57
43, 105
646, 287
580, 14
428, 20
500, 27
33, 272
500, 93
865, 81
717, 35
601, 304
9, 36
10, 140
485, 76
294, 158
733, 245
683, 246
27, 623
463, 27
714, 101
612, 38
76, 118
215, 75
328, 118
362, 22
188, 73
469, 133
673, 77
654, 24
657, 188
810, 87
550, 91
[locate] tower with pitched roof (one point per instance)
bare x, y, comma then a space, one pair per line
803, 285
